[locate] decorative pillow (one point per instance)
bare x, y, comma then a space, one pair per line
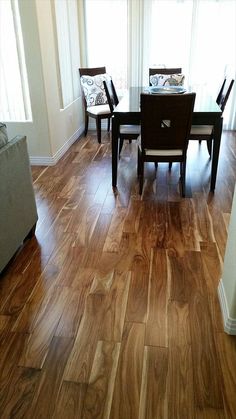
93, 88
3, 135
167, 80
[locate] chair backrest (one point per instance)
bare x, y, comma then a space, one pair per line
111, 94
92, 71
153, 71
166, 121
157, 70
224, 93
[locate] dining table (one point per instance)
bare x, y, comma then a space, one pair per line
206, 112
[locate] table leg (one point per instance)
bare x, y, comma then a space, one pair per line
114, 148
216, 149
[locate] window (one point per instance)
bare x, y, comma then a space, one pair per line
66, 14
14, 97
106, 32
200, 37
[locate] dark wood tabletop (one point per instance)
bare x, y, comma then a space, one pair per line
206, 112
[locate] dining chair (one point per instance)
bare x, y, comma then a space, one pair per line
205, 132
94, 98
155, 70
126, 132
160, 142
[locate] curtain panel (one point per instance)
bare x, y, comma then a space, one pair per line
197, 35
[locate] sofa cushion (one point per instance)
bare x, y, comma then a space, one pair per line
167, 80
93, 89
3, 135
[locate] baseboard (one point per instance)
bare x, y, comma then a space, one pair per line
51, 161
229, 322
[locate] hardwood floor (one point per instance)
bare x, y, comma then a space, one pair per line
111, 310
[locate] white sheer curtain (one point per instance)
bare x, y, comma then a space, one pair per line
67, 32
129, 36
106, 33
14, 92
200, 37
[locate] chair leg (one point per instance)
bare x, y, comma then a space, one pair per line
182, 177
209, 147
138, 165
121, 145
170, 165
86, 125
140, 171
108, 124
98, 125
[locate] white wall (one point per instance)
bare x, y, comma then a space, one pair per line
53, 129
227, 286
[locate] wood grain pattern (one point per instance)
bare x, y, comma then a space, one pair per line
138, 291
153, 399
111, 310
80, 361
70, 401
50, 379
158, 295
98, 398
208, 390
39, 340
127, 388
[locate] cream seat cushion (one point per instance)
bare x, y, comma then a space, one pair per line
156, 152
99, 109
201, 130
130, 129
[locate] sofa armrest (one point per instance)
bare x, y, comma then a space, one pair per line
18, 212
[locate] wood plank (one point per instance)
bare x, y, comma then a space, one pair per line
37, 345
158, 295
207, 386
127, 388
114, 234
178, 315
115, 307
73, 311
189, 225
37, 300
174, 234
203, 218
153, 399
138, 291
187, 276
50, 379
81, 358
180, 393
70, 401
180, 369
98, 398
11, 348
100, 232
210, 413
20, 391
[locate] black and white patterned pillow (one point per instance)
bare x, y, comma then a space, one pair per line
167, 80
93, 89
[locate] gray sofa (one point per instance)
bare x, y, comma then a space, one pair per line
18, 213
